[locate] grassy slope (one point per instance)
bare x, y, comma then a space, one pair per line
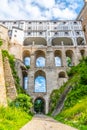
75, 107
13, 118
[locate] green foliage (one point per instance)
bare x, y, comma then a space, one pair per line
55, 96
68, 60
1, 42
24, 102
74, 112
12, 118
27, 66
75, 116
39, 106
14, 73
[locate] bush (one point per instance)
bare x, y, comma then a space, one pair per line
1, 42
24, 102
12, 118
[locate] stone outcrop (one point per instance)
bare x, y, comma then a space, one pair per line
3, 100
9, 81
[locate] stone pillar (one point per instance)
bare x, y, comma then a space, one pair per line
64, 57
32, 61
3, 100
46, 106
31, 82
50, 60
77, 55
75, 41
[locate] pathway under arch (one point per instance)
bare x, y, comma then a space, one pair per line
39, 105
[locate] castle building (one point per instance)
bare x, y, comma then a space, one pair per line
61, 44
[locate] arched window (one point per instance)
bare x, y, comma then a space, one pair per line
62, 74
40, 58
58, 59
39, 105
69, 58
82, 53
40, 81
80, 41
26, 58
25, 82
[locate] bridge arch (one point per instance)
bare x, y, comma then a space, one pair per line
26, 57
62, 41
82, 52
80, 41
35, 41
62, 74
58, 58
40, 58
69, 57
39, 105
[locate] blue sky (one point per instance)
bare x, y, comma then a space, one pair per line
40, 9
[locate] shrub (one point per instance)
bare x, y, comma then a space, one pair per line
24, 102
1, 42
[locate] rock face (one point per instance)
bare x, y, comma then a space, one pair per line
9, 81
3, 100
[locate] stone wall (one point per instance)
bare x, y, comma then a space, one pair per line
9, 81
4, 37
83, 17
3, 100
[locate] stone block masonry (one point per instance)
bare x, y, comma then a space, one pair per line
3, 100
9, 81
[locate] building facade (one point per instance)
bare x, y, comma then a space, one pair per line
61, 44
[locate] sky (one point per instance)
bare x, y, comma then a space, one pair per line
40, 9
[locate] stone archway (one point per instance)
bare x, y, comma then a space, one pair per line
39, 105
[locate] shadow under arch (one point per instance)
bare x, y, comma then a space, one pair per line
39, 105
62, 41
80, 41
35, 41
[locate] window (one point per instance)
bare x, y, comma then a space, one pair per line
55, 22
56, 33
66, 33
40, 22
15, 36
64, 22
40, 33
77, 33
29, 33
29, 22
3, 22
75, 22
14, 22
29, 27
15, 30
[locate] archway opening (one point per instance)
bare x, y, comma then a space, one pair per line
40, 58
39, 106
69, 58
26, 58
40, 82
58, 58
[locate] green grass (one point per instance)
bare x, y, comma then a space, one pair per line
74, 111
75, 116
12, 118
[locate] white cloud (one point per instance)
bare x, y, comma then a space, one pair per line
39, 9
